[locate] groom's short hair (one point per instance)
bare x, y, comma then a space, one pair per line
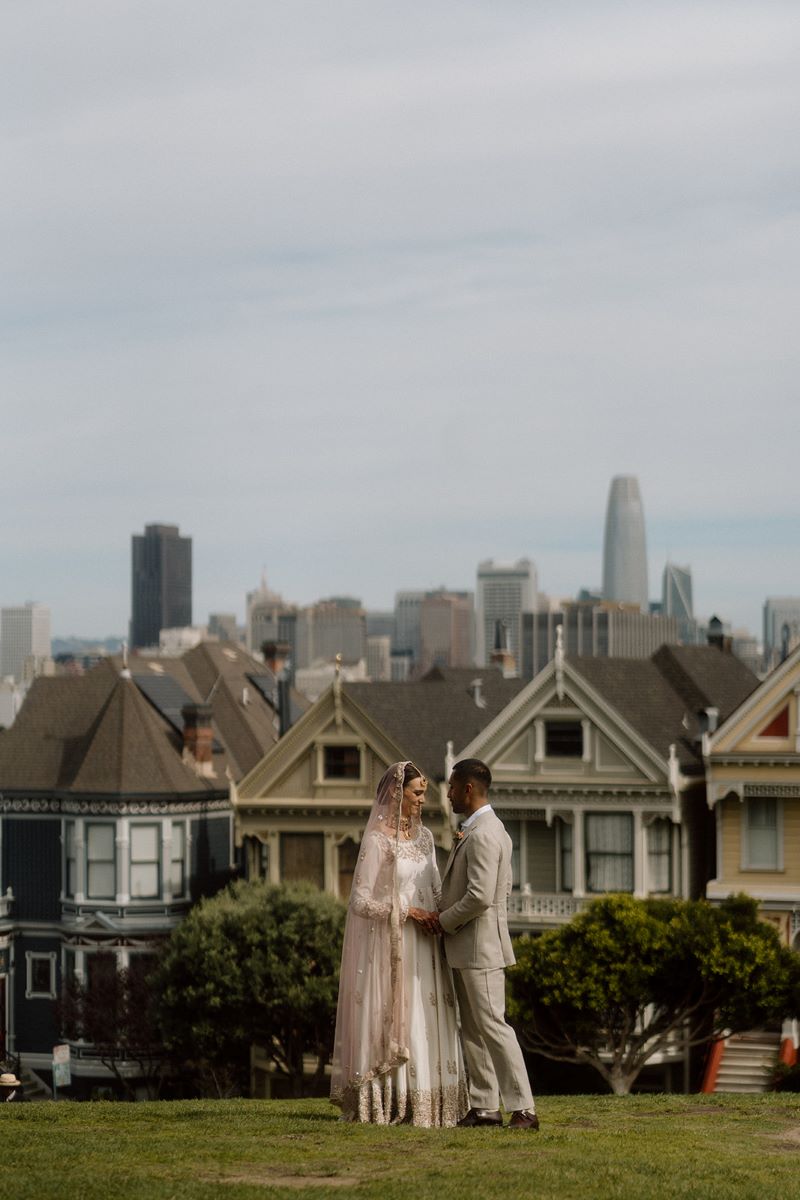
475, 771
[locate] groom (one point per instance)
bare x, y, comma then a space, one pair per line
475, 888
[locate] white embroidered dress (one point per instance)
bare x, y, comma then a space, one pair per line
421, 1078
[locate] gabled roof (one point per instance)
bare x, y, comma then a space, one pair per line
773, 690
243, 704
663, 697
659, 700
423, 716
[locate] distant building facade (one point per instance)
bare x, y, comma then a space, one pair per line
379, 657
407, 636
594, 631
223, 626
624, 546
336, 626
24, 636
268, 618
781, 629
161, 583
504, 592
446, 624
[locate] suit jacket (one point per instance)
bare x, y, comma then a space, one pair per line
475, 887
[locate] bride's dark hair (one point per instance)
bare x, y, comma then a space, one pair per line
410, 773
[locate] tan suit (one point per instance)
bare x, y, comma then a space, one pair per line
475, 887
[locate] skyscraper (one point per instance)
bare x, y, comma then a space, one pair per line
676, 599
624, 551
504, 592
161, 583
24, 634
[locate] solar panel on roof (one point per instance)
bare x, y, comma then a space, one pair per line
168, 698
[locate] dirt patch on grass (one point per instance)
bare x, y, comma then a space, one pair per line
696, 1110
787, 1139
263, 1177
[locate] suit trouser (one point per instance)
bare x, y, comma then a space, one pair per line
494, 1060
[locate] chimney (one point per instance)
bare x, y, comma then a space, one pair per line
198, 736
717, 636
276, 655
501, 655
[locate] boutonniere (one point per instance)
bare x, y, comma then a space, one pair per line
458, 835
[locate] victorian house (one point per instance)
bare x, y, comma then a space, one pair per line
115, 816
599, 778
301, 812
597, 765
752, 763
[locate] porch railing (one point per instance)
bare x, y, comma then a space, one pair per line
544, 908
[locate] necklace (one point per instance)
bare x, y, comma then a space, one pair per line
404, 824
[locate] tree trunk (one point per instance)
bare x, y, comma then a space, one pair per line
620, 1081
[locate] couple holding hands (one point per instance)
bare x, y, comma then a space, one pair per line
414, 1007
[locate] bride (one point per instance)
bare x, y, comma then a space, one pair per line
396, 1054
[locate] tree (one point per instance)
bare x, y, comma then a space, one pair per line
255, 963
114, 1012
625, 976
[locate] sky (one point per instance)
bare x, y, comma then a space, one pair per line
360, 293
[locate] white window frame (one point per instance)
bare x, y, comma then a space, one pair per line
70, 833
335, 781
748, 863
32, 956
183, 859
158, 827
114, 828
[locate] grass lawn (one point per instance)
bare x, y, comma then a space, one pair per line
589, 1148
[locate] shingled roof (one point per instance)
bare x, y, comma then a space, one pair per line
664, 697
95, 734
104, 732
423, 716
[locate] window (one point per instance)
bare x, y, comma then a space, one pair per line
178, 860
40, 975
609, 852
565, 855
303, 857
348, 857
101, 979
514, 832
70, 859
341, 762
145, 861
563, 739
659, 856
101, 872
761, 834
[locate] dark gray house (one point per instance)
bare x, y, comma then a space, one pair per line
115, 816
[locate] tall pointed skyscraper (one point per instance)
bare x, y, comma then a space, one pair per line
624, 551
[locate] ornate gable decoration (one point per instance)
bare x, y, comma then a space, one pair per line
559, 725
768, 722
333, 750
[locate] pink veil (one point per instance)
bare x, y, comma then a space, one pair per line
371, 1034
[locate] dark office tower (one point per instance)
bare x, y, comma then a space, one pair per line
624, 554
161, 583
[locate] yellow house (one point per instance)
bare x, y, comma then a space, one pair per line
753, 787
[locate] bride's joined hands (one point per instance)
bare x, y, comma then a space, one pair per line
429, 921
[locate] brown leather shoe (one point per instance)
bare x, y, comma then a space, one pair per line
523, 1120
480, 1116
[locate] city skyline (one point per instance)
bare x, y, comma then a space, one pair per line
368, 300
